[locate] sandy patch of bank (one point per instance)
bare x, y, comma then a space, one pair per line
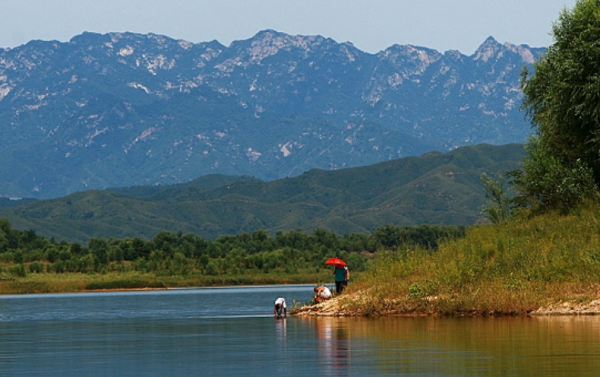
330, 308
338, 307
569, 308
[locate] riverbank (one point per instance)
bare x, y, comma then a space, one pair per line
545, 265
338, 307
114, 281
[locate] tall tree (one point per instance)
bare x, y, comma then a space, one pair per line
562, 98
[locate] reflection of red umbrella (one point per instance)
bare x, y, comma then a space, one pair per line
335, 262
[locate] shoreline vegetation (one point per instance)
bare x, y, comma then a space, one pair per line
542, 265
33, 264
549, 264
77, 282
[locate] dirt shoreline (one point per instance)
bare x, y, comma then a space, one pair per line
335, 308
126, 289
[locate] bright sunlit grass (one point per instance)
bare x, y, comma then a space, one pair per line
516, 267
76, 282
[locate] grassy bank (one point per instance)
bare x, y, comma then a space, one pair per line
513, 268
77, 282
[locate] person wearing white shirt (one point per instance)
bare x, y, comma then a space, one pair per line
280, 308
322, 293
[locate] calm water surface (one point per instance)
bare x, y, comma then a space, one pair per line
231, 332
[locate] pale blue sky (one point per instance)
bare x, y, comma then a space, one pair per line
371, 25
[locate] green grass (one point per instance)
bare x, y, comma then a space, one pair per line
512, 268
123, 284
77, 282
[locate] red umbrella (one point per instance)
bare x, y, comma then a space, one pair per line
335, 262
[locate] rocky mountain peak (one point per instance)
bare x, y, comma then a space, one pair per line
270, 42
123, 109
488, 50
418, 57
527, 54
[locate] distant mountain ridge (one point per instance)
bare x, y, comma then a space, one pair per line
124, 109
434, 188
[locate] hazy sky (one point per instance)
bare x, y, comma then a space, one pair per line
371, 25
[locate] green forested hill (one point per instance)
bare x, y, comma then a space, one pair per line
434, 188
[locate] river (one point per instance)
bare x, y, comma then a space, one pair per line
231, 332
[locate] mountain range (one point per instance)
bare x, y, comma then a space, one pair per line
436, 188
126, 109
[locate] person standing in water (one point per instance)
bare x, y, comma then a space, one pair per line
280, 308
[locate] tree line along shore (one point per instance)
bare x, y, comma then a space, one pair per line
33, 264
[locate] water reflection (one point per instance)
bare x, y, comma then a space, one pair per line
334, 346
521, 346
281, 330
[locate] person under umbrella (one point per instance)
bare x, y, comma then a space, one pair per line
341, 272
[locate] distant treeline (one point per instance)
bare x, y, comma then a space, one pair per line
23, 252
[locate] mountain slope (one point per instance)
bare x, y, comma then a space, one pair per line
124, 109
434, 188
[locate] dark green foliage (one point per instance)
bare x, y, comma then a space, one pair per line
17, 270
36, 267
546, 183
211, 269
435, 188
99, 249
176, 254
562, 97
12, 238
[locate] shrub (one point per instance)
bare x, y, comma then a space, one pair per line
59, 267
36, 267
7, 257
18, 270
211, 269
